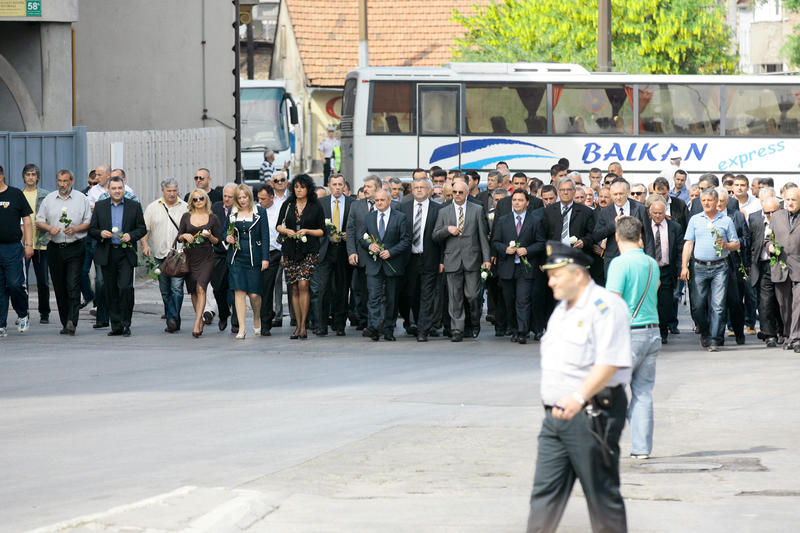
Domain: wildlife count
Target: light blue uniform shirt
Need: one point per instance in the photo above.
(627, 276)
(699, 232)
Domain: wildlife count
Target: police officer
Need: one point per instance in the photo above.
(586, 360)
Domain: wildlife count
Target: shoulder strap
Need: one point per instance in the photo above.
(641, 301)
(170, 218)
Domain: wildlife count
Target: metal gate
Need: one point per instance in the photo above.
(49, 150)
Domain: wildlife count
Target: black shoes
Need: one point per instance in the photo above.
(422, 338)
(389, 336)
(340, 333)
(713, 347)
(172, 326)
(208, 316)
(476, 331)
(321, 332)
(44, 319)
(675, 331)
(126, 331)
(538, 336)
(499, 333)
(522, 339)
(70, 327)
(115, 333)
(456, 336)
(223, 323)
(740, 339)
(772, 342)
(265, 332)
(100, 325)
(277, 323)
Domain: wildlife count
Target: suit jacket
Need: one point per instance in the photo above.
(431, 250)
(581, 223)
(132, 224)
(355, 221)
(674, 248)
(697, 207)
(468, 250)
(531, 237)
(735, 259)
(606, 228)
(396, 239)
(757, 224)
(218, 208)
(326, 209)
(679, 212)
(503, 207)
(789, 238)
(257, 248)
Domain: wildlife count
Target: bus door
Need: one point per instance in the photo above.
(439, 140)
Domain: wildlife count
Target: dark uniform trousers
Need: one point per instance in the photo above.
(65, 264)
(769, 314)
(268, 279)
(496, 306)
(517, 298)
(419, 293)
(382, 307)
(666, 299)
(220, 285)
(359, 293)
(735, 300)
(568, 449)
(331, 274)
(118, 288)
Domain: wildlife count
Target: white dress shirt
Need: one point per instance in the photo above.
(664, 240)
(424, 204)
(342, 221)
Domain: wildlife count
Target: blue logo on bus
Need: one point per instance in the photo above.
(474, 146)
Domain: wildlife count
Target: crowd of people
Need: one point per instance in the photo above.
(430, 251)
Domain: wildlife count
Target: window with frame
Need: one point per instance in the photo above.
(506, 109)
(392, 108)
(678, 109)
(592, 110)
(438, 110)
(762, 110)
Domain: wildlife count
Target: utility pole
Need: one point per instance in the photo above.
(237, 119)
(604, 36)
(363, 47)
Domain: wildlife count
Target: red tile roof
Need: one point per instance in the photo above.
(401, 33)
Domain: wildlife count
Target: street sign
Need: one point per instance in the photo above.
(20, 8)
(33, 8)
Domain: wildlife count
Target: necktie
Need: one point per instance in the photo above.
(382, 226)
(461, 218)
(371, 205)
(565, 224)
(658, 244)
(336, 214)
(519, 224)
(621, 212)
(418, 227)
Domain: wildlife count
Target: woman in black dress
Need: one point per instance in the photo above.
(198, 230)
(301, 222)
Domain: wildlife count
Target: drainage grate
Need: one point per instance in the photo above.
(739, 464)
(679, 467)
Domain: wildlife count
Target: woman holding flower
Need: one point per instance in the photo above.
(301, 223)
(198, 230)
(247, 241)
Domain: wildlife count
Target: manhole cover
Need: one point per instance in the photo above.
(679, 467)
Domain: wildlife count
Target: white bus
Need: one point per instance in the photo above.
(268, 113)
(472, 115)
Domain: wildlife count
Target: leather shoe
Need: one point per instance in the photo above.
(366, 332)
(222, 323)
(321, 332)
(84, 304)
(422, 338)
(44, 319)
(265, 332)
(663, 340)
(412, 330)
(499, 333)
(171, 326)
(522, 339)
(514, 337)
(277, 323)
(704, 343)
(772, 342)
(70, 327)
(447, 333)
(713, 347)
(340, 333)
(126, 332)
(434, 333)
(234, 328)
(208, 317)
(538, 336)
(389, 336)
(476, 331)
(361, 327)
(456, 336)
(675, 331)
(100, 325)
(740, 339)
(114, 333)
(63, 331)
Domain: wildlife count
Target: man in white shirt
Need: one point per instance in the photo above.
(266, 199)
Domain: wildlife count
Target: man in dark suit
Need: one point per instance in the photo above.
(357, 256)
(517, 264)
(761, 274)
(786, 272)
(422, 271)
(606, 222)
(486, 197)
(389, 228)
(117, 224)
(738, 264)
(667, 248)
(219, 278)
(710, 181)
(519, 181)
(462, 229)
(677, 211)
(332, 268)
(566, 219)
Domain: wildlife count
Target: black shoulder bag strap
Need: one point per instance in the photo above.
(649, 278)
(170, 218)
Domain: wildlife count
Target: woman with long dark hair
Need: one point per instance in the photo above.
(301, 223)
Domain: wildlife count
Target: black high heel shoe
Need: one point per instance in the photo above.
(196, 334)
(295, 335)
(304, 335)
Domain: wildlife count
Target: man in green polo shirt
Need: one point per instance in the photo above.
(635, 277)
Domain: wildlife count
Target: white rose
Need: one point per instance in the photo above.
(205, 233)
(303, 238)
(484, 275)
(233, 219)
(512, 244)
(491, 216)
(573, 239)
(769, 232)
(328, 221)
(157, 272)
(115, 230)
(366, 236)
(710, 226)
(63, 210)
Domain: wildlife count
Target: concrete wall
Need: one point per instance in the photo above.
(140, 66)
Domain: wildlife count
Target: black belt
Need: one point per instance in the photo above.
(708, 263)
(419, 254)
(602, 395)
(66, 244)
(646, 326)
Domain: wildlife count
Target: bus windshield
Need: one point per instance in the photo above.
(263, 122)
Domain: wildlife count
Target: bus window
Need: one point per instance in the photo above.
(392, 108)
(505, 109)
(591, 109)
(438, 110)
(349, 98)
(263, 123)
(678, 109)
(762, 111)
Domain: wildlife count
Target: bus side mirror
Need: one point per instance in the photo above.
(293, 115)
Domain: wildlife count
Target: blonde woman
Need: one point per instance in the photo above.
(199, 229)
(247, 241)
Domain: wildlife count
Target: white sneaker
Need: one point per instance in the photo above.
(640, 456)
(3, 332)
(24, 324)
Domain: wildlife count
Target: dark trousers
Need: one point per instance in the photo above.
(332, 279)
(788, 295)
(118, 288)
(268, 280)
(65, 270)
(497, 305)
(735, 301)
(768, 302)
(517, 298)
(666, 300)
(12, 281)
(39, 260)
(220, 286)
(86, 283)
(326, 171)
(360, 293)
(568, 449)
(420, 287)
(542, 304)
(382, 307)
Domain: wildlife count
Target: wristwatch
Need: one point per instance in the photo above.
(579, 398)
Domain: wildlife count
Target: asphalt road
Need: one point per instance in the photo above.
(347, 435)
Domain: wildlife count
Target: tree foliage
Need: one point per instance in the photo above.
(792, 46)
(648, 36)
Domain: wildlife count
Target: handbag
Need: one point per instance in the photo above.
(175, 264)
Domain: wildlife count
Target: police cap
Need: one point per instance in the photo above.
(560, 254)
